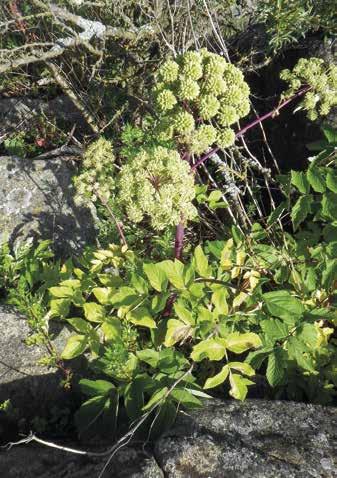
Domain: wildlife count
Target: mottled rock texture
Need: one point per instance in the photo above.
(226, 439)
(37, 200)
(32, 388)
(256, 438)
(37, 462)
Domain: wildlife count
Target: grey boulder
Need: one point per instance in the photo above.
(37, 201)
(33, 389)
(256, 438)
(225, 439)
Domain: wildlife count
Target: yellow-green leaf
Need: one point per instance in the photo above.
(213, 349)
(239, 343)
(94, 312)
(242, 367)
(177, 331)
(218, 378)
(239, 386)
(75, 346)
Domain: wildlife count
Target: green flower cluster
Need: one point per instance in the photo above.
(97, 179)
(199, 96)
(322, 81)
(159, 185)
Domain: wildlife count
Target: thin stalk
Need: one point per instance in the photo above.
(179, 240)
(251, 125)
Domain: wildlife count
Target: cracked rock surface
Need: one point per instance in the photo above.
(226, 439)
(256, 438)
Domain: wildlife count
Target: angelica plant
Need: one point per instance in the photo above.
(199, 97)
(97, 180)
(320, 80)
(157, 184)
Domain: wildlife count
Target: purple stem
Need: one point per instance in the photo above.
(257, 121)
(179, 240)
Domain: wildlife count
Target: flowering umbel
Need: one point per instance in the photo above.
(321, 81)
(97, 178)
(158, 185)
(199, 96)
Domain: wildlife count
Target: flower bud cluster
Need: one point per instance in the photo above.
(200, 87)
(320, 78)
(97, 179)
(158, 185)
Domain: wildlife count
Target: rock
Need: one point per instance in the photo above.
(32, 388)
(253, 439)
(38, 462)
(37, 200)
(256, 438)
(19, 114)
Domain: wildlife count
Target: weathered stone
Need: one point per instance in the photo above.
(33, 389)
(36, 200)
(19, 114)
(37, 462)
(256, 438)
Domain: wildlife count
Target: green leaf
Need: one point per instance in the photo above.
(300, 181)
(149, 356)
(329, 208)
(277, 213)
(164, 419)
(177, 331)
(94, 312)
(183, 314)
(59, 307)
(103, 294)
(61, 291)
(174, 271)
(139, 283)
(331, 181)
(329, 275)
(213, 349)
(141, 317)
(75, 346)
(94, 342)
(111, 328)
(298, 351)
(217, 379)
(80, 325)
(282, 304)
(300, 210)
(242, 367)
(330, 134)
(276, 367)
(156, 398)
(125, 296)
(186, 398)
(134, 399)
(316, 179)
(239, 384)
(274, 329)
(156, 276)
(201, 262)
(91, 388)
(219, 299)
(171, 361)
(189, 274)
(239, 343)
(89, 412)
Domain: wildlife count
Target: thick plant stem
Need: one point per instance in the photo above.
(179, 240)
(251, 125)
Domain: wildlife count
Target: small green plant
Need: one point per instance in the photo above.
(161, 335)
(289, 20)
